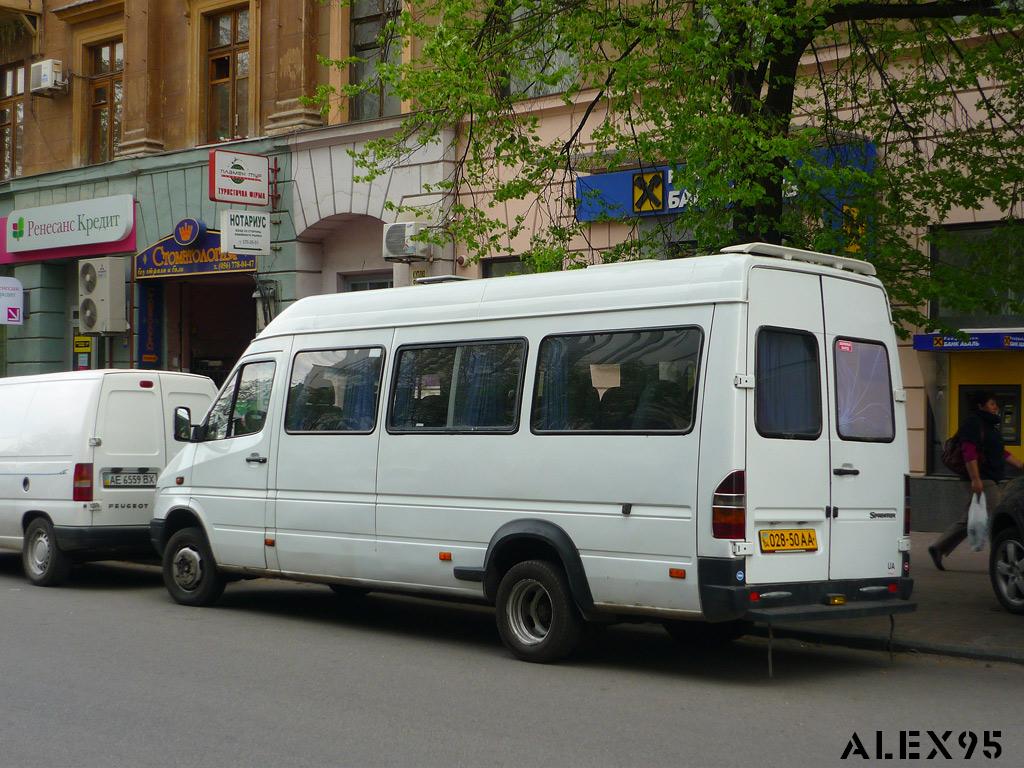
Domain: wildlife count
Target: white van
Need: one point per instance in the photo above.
(703, 442)
(79, 457)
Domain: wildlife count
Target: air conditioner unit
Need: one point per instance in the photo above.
(101, 301)
(399, 244)
(46, 78)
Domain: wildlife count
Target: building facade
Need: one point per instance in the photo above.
(144, 90)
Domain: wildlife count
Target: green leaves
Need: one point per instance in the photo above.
(751, 102)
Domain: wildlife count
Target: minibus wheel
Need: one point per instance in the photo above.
(537, 618)
(1006, 569)
(704, 634)
(44, 562)
(190, 573)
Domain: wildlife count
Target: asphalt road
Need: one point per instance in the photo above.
(107, 671)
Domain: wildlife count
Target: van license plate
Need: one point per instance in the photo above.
(789, 540)
(129, 480)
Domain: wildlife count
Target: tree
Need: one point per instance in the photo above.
(837, 125)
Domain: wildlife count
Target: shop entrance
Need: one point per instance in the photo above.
(210, 322)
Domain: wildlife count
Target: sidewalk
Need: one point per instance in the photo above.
(957, 613)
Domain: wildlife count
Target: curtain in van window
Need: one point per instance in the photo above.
(360, 401)
(551, 402)
(487, 385)
(787, 384)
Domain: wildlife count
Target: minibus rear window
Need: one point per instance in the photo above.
(334, 390)
(864, 409)
(638, 381)
(787, 385)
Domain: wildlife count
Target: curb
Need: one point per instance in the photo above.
(880, 643)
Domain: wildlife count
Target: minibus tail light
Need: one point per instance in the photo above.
(906, 505)
(82, 487)
(729, 507)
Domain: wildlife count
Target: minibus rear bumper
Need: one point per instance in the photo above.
(115, 539)
(726, 597)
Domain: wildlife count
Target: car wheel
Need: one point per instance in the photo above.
(699, 634)
(537, 618)
(44, 562)
(190, 573)
(1006, 569)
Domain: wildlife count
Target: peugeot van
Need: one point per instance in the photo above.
(703, 442)
(79, 457)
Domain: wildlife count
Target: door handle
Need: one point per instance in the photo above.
(255, 458)
(845, 471)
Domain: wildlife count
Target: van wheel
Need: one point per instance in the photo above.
(537, 618)
(1006, 569)
(698, 634)
(190, 573)
(45, 564)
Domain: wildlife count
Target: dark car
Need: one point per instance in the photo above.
(1006, 561)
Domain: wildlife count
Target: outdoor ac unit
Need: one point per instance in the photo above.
(101, 304)
(46, 78)
(399, 244)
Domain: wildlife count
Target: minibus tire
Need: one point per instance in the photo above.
(1007, 541)
(537, 618)
(699, 634)
(187, 551)
(44, 563)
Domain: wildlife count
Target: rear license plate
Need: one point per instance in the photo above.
(129, 480)
(789, 540)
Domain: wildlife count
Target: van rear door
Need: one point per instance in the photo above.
(867, 431)
(787, 465)
(130, 452)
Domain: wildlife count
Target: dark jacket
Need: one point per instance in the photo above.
(982, 429)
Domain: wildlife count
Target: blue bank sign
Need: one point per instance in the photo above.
(191, 249)
(625, 194)
(937, 342)
(652, 191)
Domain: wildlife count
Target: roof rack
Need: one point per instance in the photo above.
(796, 254)
(437, 279)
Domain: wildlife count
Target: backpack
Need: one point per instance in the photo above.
(953, 457)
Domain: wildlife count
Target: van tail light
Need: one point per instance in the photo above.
(729, 507)
(906, 505)
(82, 488)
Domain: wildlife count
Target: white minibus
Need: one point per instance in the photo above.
(704, 442)
(79, 457)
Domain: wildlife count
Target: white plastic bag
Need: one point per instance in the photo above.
(977, 522)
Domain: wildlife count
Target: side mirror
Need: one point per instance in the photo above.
(182, 424)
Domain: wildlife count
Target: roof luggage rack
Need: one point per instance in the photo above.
(797, 254)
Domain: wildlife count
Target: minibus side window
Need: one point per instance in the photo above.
(787, 385)
(472, 387)
(219, 418)
(638, 381)
(864, 409)
(334, 390)
(241, 408)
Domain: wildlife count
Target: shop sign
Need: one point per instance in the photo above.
(67, 225)
(83, 345)
(992, 340)
(625, 194)
(245, 232)
(12, 301)
(202, 256)
(236, 177)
